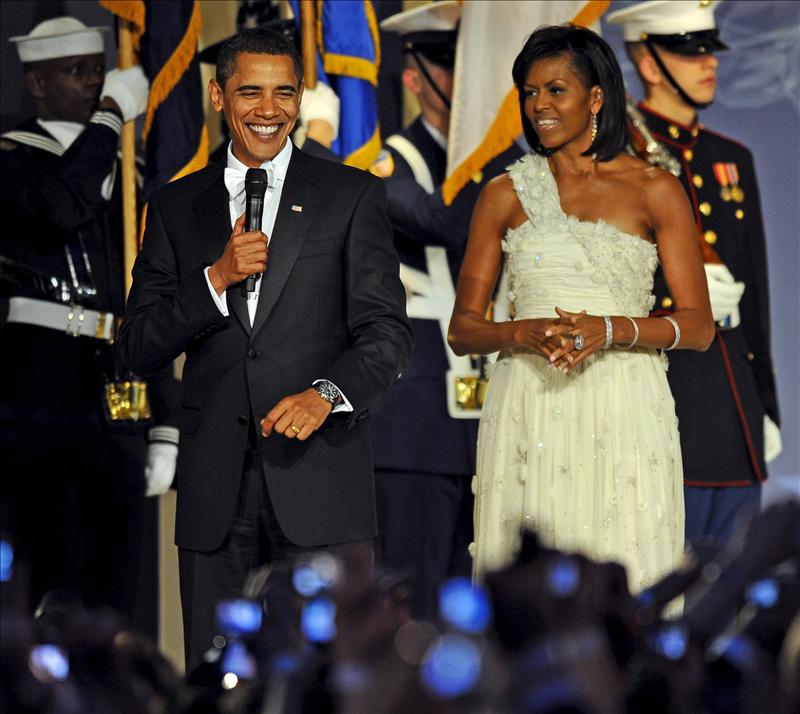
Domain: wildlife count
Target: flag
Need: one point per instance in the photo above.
(348, 43)
(484, 119)
(174, 132)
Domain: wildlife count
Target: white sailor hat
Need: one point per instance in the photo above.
(59, 37)
(684, 27)
(430, 30)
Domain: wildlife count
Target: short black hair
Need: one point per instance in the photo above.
(595, 64)
(256, 41)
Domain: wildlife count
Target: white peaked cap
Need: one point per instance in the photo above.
(435, 16)
(59, 37)
(664, 17)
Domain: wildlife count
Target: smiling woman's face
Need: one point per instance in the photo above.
(261, 101)
(557, 104)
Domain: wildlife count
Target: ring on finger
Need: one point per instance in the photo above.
(295, 429)
(579, 342)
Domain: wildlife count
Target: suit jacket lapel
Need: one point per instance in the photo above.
(288, 234)
(214, 221)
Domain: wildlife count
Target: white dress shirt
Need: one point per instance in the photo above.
(277, 167)
(276, 171)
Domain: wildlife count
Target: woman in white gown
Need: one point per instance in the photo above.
(578, 437)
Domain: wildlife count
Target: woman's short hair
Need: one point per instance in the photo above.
(256, 41)
(595, 64)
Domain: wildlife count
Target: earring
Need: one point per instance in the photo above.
(594, 127)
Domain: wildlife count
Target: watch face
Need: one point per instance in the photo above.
(328, 392)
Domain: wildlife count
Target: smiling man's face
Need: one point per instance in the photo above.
(261, 101)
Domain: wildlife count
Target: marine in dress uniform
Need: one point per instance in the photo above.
(725, 398)
(73, 479)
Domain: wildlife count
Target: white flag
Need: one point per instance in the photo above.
(484, 119)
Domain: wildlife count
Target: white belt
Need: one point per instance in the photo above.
(71, 319)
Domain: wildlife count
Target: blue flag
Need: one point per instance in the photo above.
(348, 46)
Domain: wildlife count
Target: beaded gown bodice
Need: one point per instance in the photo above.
(556, 259)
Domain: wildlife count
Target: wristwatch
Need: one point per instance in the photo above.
(329, 392)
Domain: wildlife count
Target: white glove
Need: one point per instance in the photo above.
(773, 445)
(320, 103)
(129, 88)
(724, 292)
(162, 455)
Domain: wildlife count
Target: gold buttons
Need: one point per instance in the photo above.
(688, 154)
(750, 356)
(673, 130)
(705, 208)
(666, 302)
(739, 213)
(697, 180)
(710, 237)
(695, 131)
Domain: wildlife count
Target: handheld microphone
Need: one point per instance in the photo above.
(255, 186)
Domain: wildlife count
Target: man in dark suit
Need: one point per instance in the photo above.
(278, 382)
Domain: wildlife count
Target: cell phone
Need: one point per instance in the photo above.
(239, 617)
(238, 660)
(464, 606)
(318, 620)
(6, 561)
(49, 663)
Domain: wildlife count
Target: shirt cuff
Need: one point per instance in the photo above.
(107, 118)
(221, 301)
(344, 405)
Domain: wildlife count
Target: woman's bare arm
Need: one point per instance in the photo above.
(470, 332)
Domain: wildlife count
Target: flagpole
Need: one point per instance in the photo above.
(128, 145)
(308, 38)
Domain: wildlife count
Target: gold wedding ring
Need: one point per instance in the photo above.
(295, 429)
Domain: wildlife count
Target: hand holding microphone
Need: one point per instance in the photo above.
(245, 255)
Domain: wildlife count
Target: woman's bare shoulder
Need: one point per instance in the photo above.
(500, 188)
(499, 197)
(653, 180)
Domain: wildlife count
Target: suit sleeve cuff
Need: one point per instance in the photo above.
(163, 435)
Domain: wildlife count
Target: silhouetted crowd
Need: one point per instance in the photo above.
(552, 633)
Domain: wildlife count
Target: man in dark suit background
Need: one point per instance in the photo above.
(276, 450)
(424, 437)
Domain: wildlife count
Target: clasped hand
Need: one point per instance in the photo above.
(297, 416)
(245, 254)
(555, 339)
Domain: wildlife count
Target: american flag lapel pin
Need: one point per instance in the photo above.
(297, 208)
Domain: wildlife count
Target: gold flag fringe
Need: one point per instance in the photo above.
(174, 68)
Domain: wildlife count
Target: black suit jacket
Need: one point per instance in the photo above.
(331, 306)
